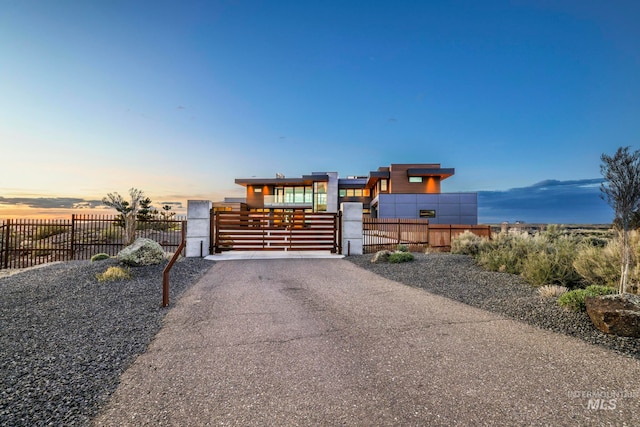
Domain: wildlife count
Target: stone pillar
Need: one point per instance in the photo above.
(198, 227)
(351, 228)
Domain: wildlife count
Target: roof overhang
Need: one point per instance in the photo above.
(442, 173)
(278, 182)
(375, 176)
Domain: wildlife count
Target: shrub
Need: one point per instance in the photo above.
(398, 257)
(599, 266)
(552, 262)
(507, 252)
(549, 291)
(402, 248)
(113, 274)
(468, 243)
(44, 231)
(574, 300)
(112, 233)
(100, 257)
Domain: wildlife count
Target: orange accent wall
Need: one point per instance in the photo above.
(399, 181)
(256, 200)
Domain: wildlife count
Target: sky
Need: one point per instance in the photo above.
(179, 98)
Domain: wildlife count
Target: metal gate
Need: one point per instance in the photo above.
(277, 231)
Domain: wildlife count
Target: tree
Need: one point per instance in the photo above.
(128, 210)
(146, 211)
(621, 190)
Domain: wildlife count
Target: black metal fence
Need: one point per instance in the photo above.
(29, 242)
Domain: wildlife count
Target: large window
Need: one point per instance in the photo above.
(320, 197)
(354, 192)
(293, 195)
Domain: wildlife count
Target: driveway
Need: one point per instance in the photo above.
(323, 342)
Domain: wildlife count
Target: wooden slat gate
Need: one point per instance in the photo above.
(278, 231)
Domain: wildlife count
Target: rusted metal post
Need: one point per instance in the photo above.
(6, 243)
(165, 274)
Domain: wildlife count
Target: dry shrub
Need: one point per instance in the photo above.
(601, 266)
(468, 243)
(551, 291)
(113, 274)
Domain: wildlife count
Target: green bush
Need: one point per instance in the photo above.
(398, 257)
(100, 257)
(574, 300)
(402, 248)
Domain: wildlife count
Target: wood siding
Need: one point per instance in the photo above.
(399, 181)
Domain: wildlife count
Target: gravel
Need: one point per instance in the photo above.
(458, 277)
(66, 338)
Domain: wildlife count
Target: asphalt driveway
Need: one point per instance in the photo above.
(323, 342)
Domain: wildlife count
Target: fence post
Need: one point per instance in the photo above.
(73, 234)
(6, 244)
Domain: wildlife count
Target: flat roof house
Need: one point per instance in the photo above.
(396, 191)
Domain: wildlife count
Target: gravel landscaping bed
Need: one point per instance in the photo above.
(458, 277)
(66, 338)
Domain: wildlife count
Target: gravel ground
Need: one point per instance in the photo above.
(457, 277)
(66, 338)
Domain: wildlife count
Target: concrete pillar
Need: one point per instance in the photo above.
(351, 228)
(198, 227)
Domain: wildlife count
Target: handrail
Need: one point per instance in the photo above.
(165, 274)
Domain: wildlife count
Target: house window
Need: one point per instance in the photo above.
(343, 192)
(383, 185)
(257, 190)
(415, 179)
(427, 213)
(319, 196)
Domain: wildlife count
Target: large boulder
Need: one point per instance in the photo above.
(615, 314)
(141, 252)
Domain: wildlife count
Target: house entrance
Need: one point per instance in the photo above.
(276, 231)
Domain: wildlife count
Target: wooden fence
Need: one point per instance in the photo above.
(29, 242)
(416, 234)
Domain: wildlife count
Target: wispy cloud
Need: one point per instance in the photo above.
(550, 201)
(66, 203)
(51, 202)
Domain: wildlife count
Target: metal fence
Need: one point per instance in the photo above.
(30, 242)
(417, 234)
(276, 231)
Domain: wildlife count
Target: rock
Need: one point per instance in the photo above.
(141, 252)
(615, 314)
(381, 256)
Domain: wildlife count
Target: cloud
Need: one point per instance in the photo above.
(51, 202)
(550, 201)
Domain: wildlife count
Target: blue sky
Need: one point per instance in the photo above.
(180, 98)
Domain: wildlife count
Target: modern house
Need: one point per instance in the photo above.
(396, 191)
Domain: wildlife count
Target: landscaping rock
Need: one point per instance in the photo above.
(615, 314)
(381, 256)
(141, 252)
